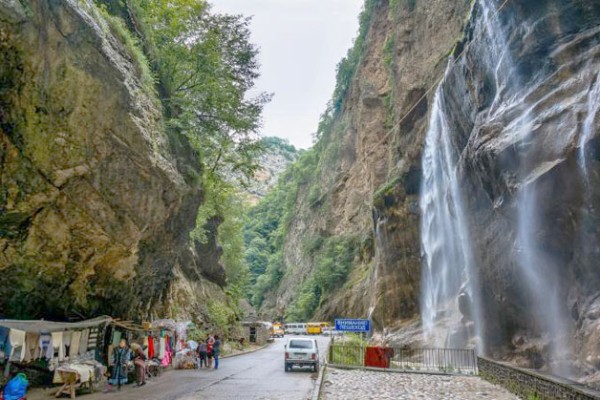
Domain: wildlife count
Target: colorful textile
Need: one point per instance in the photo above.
(4, 341)
(92, 339)
(120, 357)
(150, 347)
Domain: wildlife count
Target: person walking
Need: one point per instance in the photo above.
(217, 350)
(139, 360)
(210, 341)
(202, 352)
(121, 356)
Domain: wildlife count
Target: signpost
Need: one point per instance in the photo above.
(353, 325)
(361, 326)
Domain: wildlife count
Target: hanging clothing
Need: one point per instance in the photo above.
(150, 347)
(4, 341)
(121, 356)
(117, 335)
(83, 341)
(74, 349)
(31, 346)
(17, 344)
(45, 346)
(92, 339)
(58, 349)
(161, 348)
(67, 342)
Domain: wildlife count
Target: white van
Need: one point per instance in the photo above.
(295, 328)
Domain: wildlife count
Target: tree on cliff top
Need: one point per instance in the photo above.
(206, 66)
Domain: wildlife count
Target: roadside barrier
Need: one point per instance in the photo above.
(405, 359)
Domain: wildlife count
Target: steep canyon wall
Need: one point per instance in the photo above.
(369, 167)
(96, 200)
(517, 115)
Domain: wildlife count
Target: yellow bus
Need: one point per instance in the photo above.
(315, 328)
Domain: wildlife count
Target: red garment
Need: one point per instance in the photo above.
(150, 347)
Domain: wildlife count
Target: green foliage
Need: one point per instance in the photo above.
(117, 27)
(349, 64)
(221, 316)
(267, 225)
(279, 145)
(333, 259)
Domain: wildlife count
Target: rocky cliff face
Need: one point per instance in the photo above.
(94, 210)
(277, 155)
(509, 178)
(521, 112)
(369, 167)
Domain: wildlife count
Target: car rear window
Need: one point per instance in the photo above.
(301, 344)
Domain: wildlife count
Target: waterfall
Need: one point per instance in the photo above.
(592, 109)
(451, 307)
(449, 301)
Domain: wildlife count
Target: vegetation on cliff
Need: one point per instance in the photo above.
(204, 66)
(267, 226)
(178, 76)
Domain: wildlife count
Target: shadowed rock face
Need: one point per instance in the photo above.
(94, 211)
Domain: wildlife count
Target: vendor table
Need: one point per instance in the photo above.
(71, 384)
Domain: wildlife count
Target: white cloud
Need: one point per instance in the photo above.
(301, 42)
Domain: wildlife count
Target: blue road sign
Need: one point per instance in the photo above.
(353, 325)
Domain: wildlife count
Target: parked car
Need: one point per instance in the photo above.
(301, 353)
(331, 332)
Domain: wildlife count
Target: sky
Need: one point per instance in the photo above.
(301, 42)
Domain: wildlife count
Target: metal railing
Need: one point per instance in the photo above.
(425, 360)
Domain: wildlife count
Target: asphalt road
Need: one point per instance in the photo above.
(258, 375)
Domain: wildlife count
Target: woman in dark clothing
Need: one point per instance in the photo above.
(121, 356)
(217, 351)
(139, 360)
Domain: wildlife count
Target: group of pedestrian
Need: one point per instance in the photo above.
(208, 350)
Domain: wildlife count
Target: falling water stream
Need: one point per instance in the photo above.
(448, 270)
(450, 304)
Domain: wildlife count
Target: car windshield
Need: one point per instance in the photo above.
(301, 344)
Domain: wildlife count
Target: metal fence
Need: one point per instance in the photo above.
(425, 360)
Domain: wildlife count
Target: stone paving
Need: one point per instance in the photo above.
(359, 385)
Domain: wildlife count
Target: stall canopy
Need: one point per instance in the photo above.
(41, 326)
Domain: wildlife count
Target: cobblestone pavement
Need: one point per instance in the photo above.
(359, 385)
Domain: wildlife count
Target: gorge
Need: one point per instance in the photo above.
(491, 174)
(451, 196)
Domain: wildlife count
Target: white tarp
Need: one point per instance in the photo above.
(41, 326)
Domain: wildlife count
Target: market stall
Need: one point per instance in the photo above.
(70, 350)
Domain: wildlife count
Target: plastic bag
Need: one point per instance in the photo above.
(16, 388)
